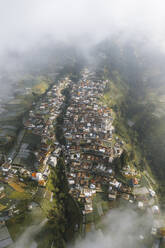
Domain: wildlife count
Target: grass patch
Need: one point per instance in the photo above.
(2, 207)
(19, 195)
(16, 186)
(40, 88)
(18, 224)
(101, 200)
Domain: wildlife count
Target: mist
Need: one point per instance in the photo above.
(34, 33)
(27, 239)
(120, 228)
(27, 26)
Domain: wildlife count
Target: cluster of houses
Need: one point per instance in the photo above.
(15, 170)
(90, 147)
(29, 161)
(41, 122)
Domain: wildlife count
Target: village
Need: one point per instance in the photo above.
(91, 146)
(88, 129)
(35, 152)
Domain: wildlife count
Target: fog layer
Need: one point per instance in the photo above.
(27, 25)
(24, 24)
(121, 228)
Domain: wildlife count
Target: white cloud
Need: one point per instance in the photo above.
(122, 228)
(24, 23)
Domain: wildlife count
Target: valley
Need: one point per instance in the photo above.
(71, 164)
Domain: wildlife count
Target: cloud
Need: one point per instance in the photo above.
(121, 228)
(26, 23)
(26, 240)
(27, 26)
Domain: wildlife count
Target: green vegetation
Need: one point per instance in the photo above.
(59, 121)
(63, 213)
(61, 210)
(2, 207)
(101, 201)
(16, 109)
(141, 139)
(19, 223)
(40, 88)
(19, 195)
(114, 97)
(137, 89)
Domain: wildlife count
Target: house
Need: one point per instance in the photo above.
(88, 208)
(52, 161)
(1, 189)
(33, 205)
(37, 176)
(92, 186)
(115, 183)
(88, 200)
(6, 167)
(112, 197)
(71, 181)
(125, 196)
(140, 205)
(152, 192)
(155, 209)
(46, 172)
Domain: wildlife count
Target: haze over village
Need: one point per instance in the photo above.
(82, 124)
